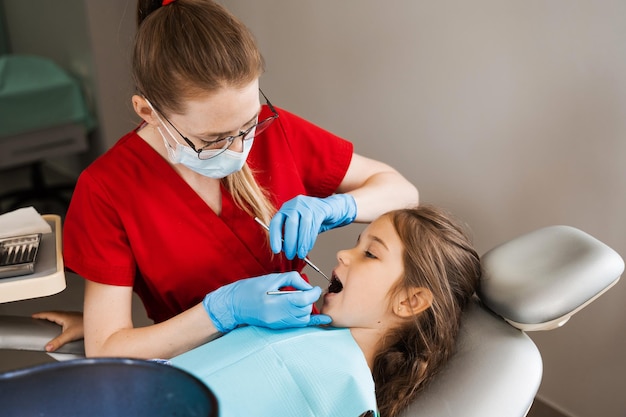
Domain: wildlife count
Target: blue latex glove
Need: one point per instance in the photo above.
(295, 227)
(246, 302)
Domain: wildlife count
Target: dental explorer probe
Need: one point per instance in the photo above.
(306, 259)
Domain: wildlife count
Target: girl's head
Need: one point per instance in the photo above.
(410, 275)
(190, 48)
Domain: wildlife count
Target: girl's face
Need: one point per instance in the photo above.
(367, 272)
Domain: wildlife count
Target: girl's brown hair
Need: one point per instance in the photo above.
(192, 48)
(438, 255)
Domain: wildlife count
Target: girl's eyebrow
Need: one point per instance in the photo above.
(375, 239)
(379, 240)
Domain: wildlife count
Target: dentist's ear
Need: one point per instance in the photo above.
(413, 302)
(144, 110)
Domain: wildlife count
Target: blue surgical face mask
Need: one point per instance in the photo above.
(220, 166)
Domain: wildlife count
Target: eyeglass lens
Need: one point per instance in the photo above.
(214, 149)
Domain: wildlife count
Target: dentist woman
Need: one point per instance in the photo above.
(169, 210)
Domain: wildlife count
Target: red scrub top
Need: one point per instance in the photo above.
(133, 221)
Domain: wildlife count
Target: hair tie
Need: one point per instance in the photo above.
(166, 2)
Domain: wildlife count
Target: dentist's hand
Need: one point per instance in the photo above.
(302, 218)
(246, 302)
(71, 323)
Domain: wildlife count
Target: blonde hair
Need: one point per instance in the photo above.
(191, 48)
(249, 195)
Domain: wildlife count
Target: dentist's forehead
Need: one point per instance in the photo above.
(221, 112)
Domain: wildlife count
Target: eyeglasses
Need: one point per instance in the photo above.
(217, 147)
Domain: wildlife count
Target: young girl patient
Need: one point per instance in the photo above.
(395, 303)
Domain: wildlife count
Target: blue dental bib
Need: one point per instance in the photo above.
(303, 372)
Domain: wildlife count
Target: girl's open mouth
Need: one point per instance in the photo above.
(335, 285)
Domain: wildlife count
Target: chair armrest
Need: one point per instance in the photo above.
(26, 333)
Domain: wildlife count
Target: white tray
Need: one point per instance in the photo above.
(49, 276)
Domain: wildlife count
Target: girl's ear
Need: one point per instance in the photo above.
(413, 302)
(143, 110)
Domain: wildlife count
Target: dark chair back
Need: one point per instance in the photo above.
(105, 387)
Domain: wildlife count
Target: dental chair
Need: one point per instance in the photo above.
(536, 281)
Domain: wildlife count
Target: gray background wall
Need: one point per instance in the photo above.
(511, 114)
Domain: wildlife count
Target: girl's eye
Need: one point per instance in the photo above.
(369, 254)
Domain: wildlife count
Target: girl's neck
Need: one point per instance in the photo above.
(369, 342)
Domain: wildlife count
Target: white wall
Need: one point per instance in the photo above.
(511, 114)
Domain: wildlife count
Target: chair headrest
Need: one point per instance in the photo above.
(537, 281)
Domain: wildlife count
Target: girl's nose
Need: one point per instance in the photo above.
(343, 257)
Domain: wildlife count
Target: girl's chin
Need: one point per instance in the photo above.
(327, 296)
(326, 303)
